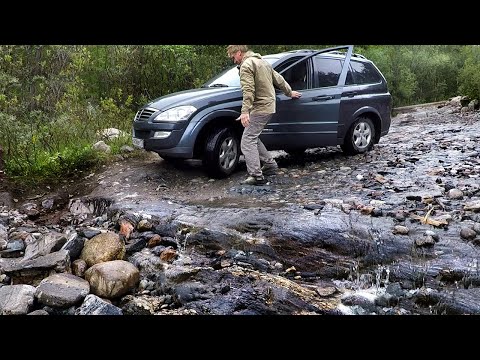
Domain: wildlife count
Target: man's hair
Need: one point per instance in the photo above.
(232, 49)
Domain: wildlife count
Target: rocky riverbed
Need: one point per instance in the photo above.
(394, 231)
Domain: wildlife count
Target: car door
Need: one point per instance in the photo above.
(312, 120)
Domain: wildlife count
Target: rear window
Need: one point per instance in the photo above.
(363, 73)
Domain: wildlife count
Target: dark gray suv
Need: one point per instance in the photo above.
(345, 101)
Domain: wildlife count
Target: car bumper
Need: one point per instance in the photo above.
(162, 138)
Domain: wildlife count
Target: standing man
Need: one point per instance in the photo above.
(257, 79)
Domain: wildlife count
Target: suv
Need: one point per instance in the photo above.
(345, 101)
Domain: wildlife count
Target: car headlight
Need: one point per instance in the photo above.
(176, 114)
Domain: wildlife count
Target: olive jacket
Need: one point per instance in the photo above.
(258, 78)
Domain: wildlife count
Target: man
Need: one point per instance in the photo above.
(257, 79)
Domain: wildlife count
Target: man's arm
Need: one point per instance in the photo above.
(247, 80)
(280, 82)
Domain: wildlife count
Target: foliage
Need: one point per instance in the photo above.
(470, 73)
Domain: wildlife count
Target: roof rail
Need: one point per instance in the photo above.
(343, 53)
(336, 52)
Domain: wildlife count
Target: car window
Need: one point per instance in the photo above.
(363, 73)
(296, 76)
(327, 71)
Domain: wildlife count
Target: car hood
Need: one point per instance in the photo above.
(196, 97)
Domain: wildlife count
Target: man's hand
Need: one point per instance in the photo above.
(295, 94)
(244, 119)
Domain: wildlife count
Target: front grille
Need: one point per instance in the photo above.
(144, 114)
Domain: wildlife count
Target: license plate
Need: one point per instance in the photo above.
(137, 143)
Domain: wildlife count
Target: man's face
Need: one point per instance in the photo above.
(236, 57)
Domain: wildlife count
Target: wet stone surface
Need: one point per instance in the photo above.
(393, 231)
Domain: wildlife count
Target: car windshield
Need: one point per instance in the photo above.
(230, 78)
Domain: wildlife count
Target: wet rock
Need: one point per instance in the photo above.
(3, 236)
(88, 233)
(433, 235)
(13, 249)
(476, 227)
(39, 312)
(362, 300)
(34, 270)
(179, 274)
(62, 290)
(112, 279)
(135, 245)
(386, 300)
(141, 305)
(155, 240)
(93, 305)
(326, 291)
(399, 229)
(79, 267)
(48, 243)
(168, 255)
(103, 247)
(467, 233)
(126, 228)
(472, 206)
(16, 299)
(192, 291)
(74, 245)
(455, 194)
(424, 241)
(144, 225)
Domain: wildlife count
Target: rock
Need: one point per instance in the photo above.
(62, 290)
(141, 305)
(100, 146)
(34, 270)
(74, 245)
(424, 241)
(144, 225)
(112, 279)
(79, 267)
(467, 233)
(39, 312)
(455, 194)
(103, 247)
(48, 243)
(399, 229)
(93, 305)
(16, 299)
(168, 255)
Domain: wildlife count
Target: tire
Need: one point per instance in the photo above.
(360, 137)
(222, 151)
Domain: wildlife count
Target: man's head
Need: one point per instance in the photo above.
(236, 52)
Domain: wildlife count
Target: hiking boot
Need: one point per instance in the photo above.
(255, 180)
(269, 169)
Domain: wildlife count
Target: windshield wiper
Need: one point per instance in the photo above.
(218, 85)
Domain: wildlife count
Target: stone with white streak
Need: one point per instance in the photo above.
(16, 299)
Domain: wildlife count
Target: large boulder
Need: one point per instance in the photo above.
(103, 247)
(112, 279)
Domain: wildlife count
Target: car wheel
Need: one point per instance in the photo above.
(222, 151)
(359, 137)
